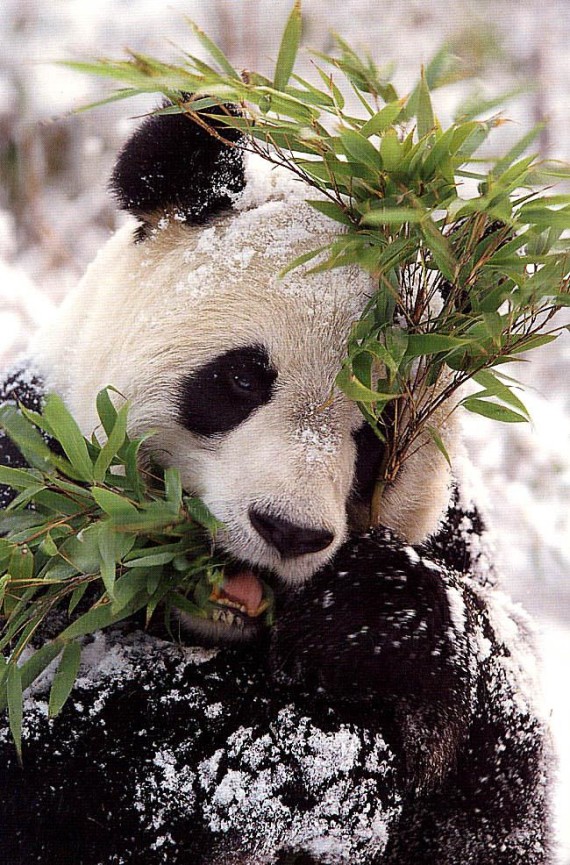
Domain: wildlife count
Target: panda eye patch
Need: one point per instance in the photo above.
(224, 392)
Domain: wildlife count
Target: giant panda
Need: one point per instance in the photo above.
(389, 716)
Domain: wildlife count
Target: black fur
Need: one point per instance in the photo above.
(384, 718)
(459, 544)
(222, 394)
(173, 166)
(369, 453)
(379, 723)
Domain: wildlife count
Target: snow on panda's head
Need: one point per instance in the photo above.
(233, 366)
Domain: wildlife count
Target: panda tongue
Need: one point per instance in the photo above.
(245, 589)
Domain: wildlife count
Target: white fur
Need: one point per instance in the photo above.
(147, 314)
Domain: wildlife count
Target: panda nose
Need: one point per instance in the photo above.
(289, 539)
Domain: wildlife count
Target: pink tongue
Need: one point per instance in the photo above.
(245, 589)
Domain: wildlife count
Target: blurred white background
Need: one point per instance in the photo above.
(55, 213)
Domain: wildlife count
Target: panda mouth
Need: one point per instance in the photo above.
(240, 601)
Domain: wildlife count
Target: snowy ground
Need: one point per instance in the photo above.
(54, 214)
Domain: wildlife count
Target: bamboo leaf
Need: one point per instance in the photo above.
(15, 708)
(114, 504)
(40, 660)
(358, 147)
(198, 511)
(348, 383)
(424, 111)
(288, 48)
(212, 49)
(64, 678)
(69, 436)
(301, 259)
(330, 209)
(420, 344)
(438, 442)
(393, 216)
(492, 410)
(29, 441)
(112, 445)
(383, 119)
(18, 479)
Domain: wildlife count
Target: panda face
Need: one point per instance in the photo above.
(248, 410)
(231, 364)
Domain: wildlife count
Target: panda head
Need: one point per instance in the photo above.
(233, 366)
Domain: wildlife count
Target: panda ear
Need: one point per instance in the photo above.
(172, 166)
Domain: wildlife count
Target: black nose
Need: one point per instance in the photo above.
(290, 540)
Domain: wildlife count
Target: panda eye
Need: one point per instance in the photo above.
(224, 392)
(242, 382)
(246, 383)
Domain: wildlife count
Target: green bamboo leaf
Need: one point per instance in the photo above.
(358, 147)
(130, 589)
(64, 678)
(48, 546)
(440, 249)
(391, 150)
(212, 49)
(113, 444)
(338, 98)
(19, 479)
(130, 457)
(21, 565)
(492, 410)
(424, 111)
(301, 259)
(383, 119)
(173, 489)
(98, 618)
(113, 504)
(151, 560)
(106, 410)
(438, 442)
(29, 441)
(533, 342)
(494, 325)
(182, 603)
(546, 217)
(82, 550)
(25, 497)
(420, 344)
(117, 95)
(76, 597)
(198, 512)
(155, 517)
(393, 216)
(348, 383)
(517, 150)
(330, 209)
(39, 661)
(15, 707)
(495, 387)
(69, 436)
(288, 48)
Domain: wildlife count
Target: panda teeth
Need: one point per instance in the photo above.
(226, 617)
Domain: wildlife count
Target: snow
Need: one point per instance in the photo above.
(55, 214)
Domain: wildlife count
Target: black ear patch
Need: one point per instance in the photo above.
(172, 166)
